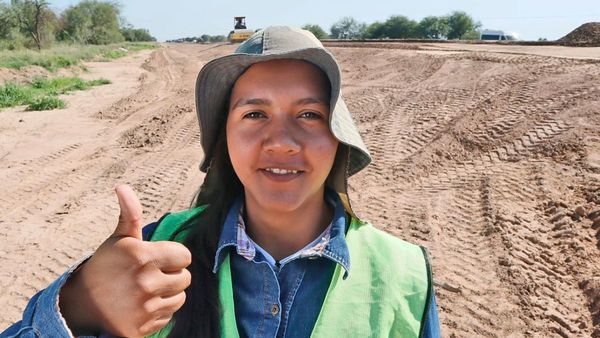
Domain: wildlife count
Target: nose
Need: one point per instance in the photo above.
(280, 138)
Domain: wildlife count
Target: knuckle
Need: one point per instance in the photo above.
(138, 255)
(148, 307)
(141, 260)
(145, 285)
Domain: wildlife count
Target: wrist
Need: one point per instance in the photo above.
(75, 307)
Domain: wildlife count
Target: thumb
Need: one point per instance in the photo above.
(130, 218)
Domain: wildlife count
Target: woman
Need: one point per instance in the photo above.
(274, 245)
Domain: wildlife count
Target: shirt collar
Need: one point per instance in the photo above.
(335, 247)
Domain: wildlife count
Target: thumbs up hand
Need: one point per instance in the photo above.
(128, 287)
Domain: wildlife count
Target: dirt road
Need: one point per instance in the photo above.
(488, 158)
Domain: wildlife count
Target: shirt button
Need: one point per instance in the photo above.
(274, 309)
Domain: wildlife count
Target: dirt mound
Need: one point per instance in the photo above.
(586, 34)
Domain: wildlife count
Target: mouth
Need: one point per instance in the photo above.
(281, 174)
(280, 171)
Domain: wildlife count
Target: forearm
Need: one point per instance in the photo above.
(42, 316)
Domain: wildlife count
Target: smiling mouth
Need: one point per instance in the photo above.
(281, 175)
(279, 171)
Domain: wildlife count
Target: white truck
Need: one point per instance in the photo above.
(497, 35)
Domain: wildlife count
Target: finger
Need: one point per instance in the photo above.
(130, 217)
(162, 284)
(164, 306)
(170, 256)
(173, 283)
(155, 324)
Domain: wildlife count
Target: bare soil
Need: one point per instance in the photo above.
(489, 158)
(588, 33)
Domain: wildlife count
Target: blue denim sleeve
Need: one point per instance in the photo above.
(42, 317)
(432, 322)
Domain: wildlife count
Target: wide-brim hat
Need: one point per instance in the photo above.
(217, 77)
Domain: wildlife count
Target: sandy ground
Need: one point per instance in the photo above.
(488, 157)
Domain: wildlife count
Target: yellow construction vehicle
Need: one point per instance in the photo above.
(239, 33)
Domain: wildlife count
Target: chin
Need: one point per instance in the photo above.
(280, 201)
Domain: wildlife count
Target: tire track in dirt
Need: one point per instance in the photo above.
(454, 208)
(23, 178)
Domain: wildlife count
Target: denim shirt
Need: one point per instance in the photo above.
(271, 300)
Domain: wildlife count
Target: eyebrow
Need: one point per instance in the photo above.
(266, 102)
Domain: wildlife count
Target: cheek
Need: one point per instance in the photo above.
(242, 149)
(325, 149)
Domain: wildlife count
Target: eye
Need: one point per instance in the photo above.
(311, 115)
(254, 115)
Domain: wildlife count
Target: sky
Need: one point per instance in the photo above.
(530, 19)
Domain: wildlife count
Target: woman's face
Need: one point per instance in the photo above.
(278, 133)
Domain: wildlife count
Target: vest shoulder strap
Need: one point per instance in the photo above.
(172, 227)
(175, 226)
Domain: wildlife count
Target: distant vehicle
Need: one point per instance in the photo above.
(494, 35)
(240, 32)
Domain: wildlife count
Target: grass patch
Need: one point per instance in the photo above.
(46, 103)
(137, 46)
(115, 54)
(61, 85)
(14, 95)
(42, 93)
(99, 82)
(66, 55)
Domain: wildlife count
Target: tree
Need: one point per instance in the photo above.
(471, 35)
(95, 22)
(348, 28)
(376, 30)
(434, 27)
(34, 19)
(317, 31)
(461, 23)
(400, 27)
(136, 34)
(218, 38)
(395, 27)
(7, 21)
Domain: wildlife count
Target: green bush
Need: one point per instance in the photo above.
(46, 103)
(471, 35)
(137, 46)
(136, 34)
(61, 85)
(317, 31)
(99, 82)
(42, 93)
(12, 94)
(67, 55)
(114, 54)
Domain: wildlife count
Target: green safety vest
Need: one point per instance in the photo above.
(386, 294)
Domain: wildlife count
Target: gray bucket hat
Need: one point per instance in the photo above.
(215, 80)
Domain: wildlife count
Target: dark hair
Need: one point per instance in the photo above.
(201, 313)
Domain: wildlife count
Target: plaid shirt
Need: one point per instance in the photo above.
(246, 247)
